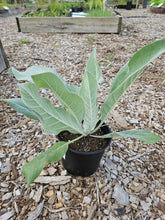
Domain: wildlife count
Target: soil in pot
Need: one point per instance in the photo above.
(85, 144)
(83, 156)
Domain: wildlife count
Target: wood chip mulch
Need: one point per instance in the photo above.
(130, 183)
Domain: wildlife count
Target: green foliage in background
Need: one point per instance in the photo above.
(95, 4)
(99, 13)
(158, 2)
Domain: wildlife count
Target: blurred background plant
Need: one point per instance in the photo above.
(158, 2)
(95, 4)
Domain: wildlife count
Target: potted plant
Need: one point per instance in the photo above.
(77, 118)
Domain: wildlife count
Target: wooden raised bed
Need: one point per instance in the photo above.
(70, 24)
(4, 64)
(157, 10)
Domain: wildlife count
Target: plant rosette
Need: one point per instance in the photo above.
(78, 111)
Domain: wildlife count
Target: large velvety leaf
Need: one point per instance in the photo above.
(71, 101)
(92, 66)
(54, 119)
(33, 169)
(143, 135)
(34, 70)
(130, 72)
(18, 105)
(88, 92)
(26, 75)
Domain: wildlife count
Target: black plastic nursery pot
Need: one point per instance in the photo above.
(84, 164)
(129, 5)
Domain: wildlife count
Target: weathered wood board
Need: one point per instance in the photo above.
(4, 64)
(70, 24)
(157, 10)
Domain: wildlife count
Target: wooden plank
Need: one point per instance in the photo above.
(70, 24)
(4, 64)
(157, 10)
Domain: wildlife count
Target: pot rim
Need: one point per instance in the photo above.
(93, 152)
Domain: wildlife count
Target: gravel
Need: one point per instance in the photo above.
(137, 169)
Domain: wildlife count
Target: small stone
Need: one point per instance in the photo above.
(39, 193)
(2, 155)
(125, 181)
(102, 162)
(49, 193)
(31, 194)
(5, 190)
(75, 192)
(149, 201)
(33, 208)
(64, 215)
(78, 189)
(53, 216)
(110, 165)
(6, 167)
(7, 196)
(134, 121)
(62, 188)
(3, 184)
(113, 176)
(143, 193)
(101, 185)
(111, 217)
(51, 171)
(125, 217)
(65, 195)
(162, 196)
(59, 195)
(132, 199)
(102, 80)
(161, 206)
(51, 200)
(74, 181)
(116, 159)
(144, 205)
(120, 195)
(121, 145)
(84, 213)
(59, 205)
(133, 206)
(120, 211)
(63, 173)
(17, 192)
(43, 173)
(87, 200)
(136, 187)
(106, 211)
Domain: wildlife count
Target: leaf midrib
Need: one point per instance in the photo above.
(49, 113)
(70, 110)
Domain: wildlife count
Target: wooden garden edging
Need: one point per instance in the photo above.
(157, 10)
(4, 64)
(70, 24)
